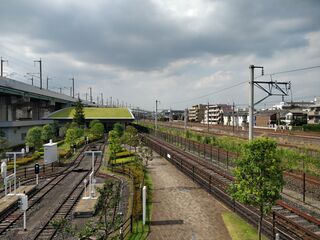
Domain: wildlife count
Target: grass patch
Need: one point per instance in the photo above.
(125, 160)
(139, 231)
(94, 112)
(124, 154)
(238, 228)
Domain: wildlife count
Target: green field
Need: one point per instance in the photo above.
(93, 113)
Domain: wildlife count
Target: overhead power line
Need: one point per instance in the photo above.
(295, 70)
(211, 93)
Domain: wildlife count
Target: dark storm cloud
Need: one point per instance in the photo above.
(138, 35)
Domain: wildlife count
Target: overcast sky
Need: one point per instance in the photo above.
(175, 51)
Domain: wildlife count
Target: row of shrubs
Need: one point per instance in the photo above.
(311, 127)
(25, 160)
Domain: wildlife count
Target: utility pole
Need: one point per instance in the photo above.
(86, 96)
(60, 90)
(40, 72)
(31, 79)
(233, 117)
(72, 79)
(185, 118)
(90, 94)
(48, 82)
(251, 100)
(156, 116)
(101, 98)
(3, 61)
(208, 116)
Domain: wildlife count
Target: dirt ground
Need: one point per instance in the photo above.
(181, 209)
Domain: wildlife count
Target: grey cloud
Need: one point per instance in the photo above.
(137, 35)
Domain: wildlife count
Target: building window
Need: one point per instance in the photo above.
(23, 136)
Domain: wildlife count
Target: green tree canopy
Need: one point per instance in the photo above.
(34, 137)
(93, 122)
(258, 176)
(79, 116)
(71, 136)
(47, 133)
(114, 144)
(97, 130)
(131, 136)
(119, 129)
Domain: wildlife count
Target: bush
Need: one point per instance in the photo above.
(33, 138)
(63, 153)
(124, 154)
(311, 127)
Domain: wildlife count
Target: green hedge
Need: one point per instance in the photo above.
(311, 127)
(124, 154)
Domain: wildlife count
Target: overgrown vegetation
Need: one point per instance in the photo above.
(292, 159)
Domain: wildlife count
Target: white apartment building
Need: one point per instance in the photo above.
(196, 113)
(214, 115)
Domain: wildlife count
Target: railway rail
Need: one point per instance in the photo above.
(26, 175)
(225, 130)
(289, 222)
(11, 219)
(47, 231)
(302, 183)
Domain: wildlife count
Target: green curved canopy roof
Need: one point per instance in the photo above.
(93, 113)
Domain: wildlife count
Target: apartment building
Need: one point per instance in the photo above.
(196, 113)
(214, 114)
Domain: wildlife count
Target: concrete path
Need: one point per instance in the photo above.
(181, 209)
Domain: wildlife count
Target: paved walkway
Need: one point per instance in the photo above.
(181, 209)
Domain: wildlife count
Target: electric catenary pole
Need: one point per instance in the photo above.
(156, 116)
(72, 79)
(282, 88)
(40, 71)
(2, 61)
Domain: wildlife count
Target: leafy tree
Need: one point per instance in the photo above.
(114, 144)
(63, 130)
(71, 137)
(145, 153)
(47, 133)
(33, 138)
(258, 176)
(93, 122)
(79, 116)
(131, 137)
(106, 206)
(63, 227)
(88, 231)
(119, 129)
(97, 130)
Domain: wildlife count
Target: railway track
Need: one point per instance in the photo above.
(27, 175)
(224, 130)
(302, 185)
(47, 231)
(12, 218)
(289, 221)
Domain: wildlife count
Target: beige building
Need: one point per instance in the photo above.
(196, 113)
(214, 115)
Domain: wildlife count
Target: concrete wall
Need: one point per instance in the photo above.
(16, 131)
